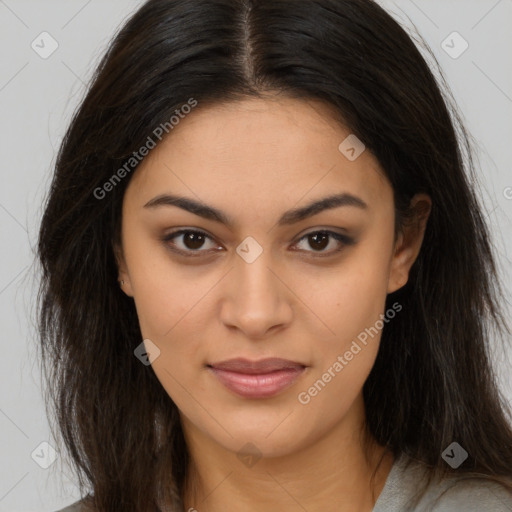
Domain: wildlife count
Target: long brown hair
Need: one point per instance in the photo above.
(432, 382)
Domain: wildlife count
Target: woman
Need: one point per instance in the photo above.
(267, 281)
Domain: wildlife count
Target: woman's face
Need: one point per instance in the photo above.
(262, 279)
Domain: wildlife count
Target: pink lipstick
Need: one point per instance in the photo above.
(257, 379)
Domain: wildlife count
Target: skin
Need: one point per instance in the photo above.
(254, 160)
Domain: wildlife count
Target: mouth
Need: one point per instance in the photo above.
(257, 379)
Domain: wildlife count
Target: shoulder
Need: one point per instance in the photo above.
(78, 506)
(470, 495)
(448, 495)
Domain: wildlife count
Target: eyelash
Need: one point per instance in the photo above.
(344, 240)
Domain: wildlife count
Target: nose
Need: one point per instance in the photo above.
(256, 300)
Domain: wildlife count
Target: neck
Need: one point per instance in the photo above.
(336, 469)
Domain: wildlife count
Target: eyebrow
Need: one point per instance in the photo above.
(289, 217)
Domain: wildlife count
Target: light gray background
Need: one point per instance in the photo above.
(38, 96)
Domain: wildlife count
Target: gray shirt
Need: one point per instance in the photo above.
(468, 496)
(401, 484)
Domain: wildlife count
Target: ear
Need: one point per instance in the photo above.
(124, 277)
(408, 244)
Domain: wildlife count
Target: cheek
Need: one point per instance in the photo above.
(164, 292)
(354, 294)
(353, 305)
(345, 360)
(173, 308)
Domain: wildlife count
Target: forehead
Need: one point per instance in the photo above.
(260, 150)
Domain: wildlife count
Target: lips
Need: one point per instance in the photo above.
(257, 379)
(269, 365)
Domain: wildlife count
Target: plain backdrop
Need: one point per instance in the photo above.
(37, 98)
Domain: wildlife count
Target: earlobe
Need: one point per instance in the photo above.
(399, 273)
(126, 287)
(123, 277)
(409, 242)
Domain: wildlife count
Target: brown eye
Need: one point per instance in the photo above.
(318, 241)
(192, 242)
